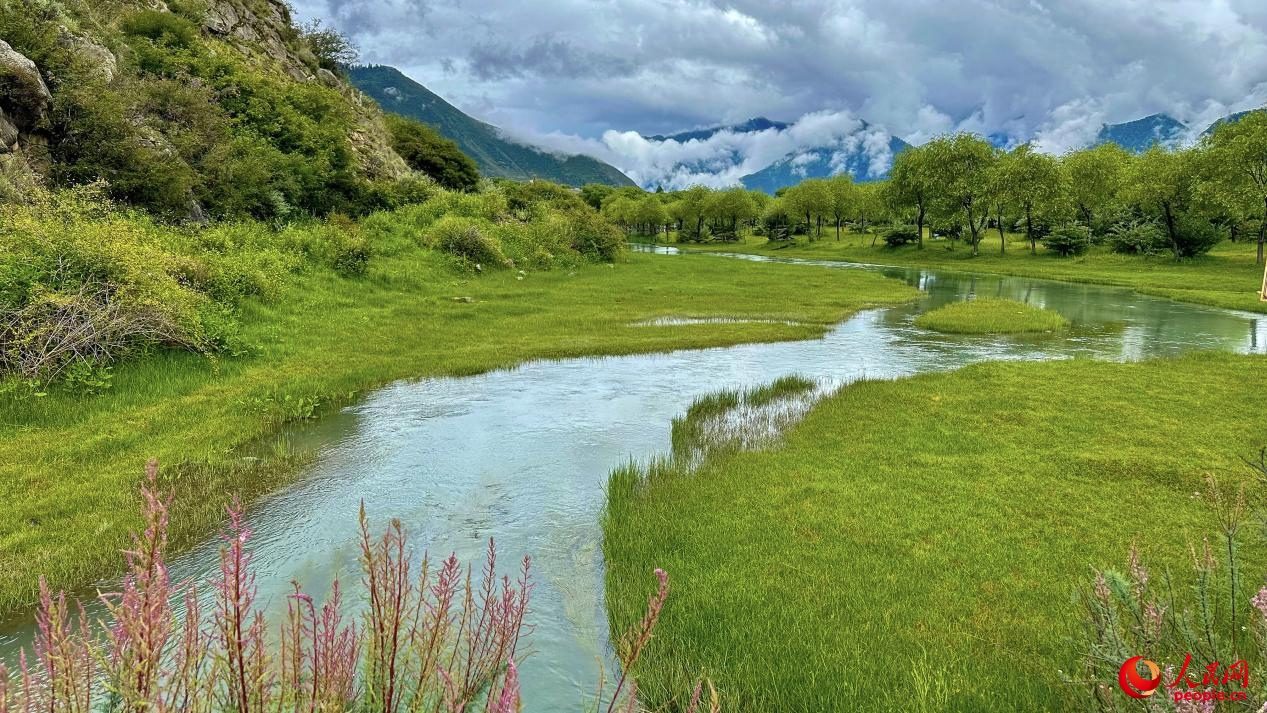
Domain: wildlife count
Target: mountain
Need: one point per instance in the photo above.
(1230, 119)
(865, 160)
(496, 156)
(1142, 134)
(750, 126)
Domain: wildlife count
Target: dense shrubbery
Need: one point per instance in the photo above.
(1137, 237)
(900, 236)
(188, 127)
(1069, 240)
(84, 283)
(432, 154)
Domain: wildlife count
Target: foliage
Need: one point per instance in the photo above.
(1069, 240)
(333, 49)
(464, 238)
(427, 151)
(1137, 237)
(902, 235)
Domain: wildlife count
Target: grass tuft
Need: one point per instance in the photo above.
(991, 316)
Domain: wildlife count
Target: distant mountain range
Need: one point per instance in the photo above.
(495, 155)
(863, 161)
(866, 153)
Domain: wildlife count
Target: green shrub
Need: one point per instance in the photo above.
(1194, 235)
(468, 240)
(1068, 240)
(591, 235)
(164, 27)
(900, 236)
(1138, 237)
(425, 150)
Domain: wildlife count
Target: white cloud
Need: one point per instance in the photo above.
(1018, 68)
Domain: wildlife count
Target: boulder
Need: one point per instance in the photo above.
(101, 60)
(24, 97)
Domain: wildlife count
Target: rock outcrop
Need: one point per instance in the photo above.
(264, 29)
(24, 99)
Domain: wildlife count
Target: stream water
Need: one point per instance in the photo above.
(522, 455)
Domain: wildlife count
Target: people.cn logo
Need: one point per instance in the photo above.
(1135, 685)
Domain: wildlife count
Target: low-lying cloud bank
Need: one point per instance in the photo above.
(727, 156)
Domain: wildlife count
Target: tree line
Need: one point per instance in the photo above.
(959, 187)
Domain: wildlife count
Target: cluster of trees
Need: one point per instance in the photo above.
(1180, 202)
(700, 214)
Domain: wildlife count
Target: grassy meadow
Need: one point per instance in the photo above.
(991, 316)
(1225, 277)
(917, 544)
(70, 464)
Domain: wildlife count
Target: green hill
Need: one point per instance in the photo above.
(496, 156)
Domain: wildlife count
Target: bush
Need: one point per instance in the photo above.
(900, 236)
(428, 152)
(465, 238)
(1194, 235)
(1138, 238)
(1068, 241)
(593, 236)
(162, 27)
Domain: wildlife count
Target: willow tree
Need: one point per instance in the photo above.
(1034, 183)
(912, 186)
(841, 199)
(962, 168)
(1238, 151)
(1094, 179)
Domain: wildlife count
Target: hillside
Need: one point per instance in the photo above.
(495, 155)
(193, 109)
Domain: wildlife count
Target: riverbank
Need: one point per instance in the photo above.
(917, 543)
(1227, 277)
(70, 464)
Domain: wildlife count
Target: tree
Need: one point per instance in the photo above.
(868, 205)
(1163, 183)
(726, 208)
(594, 193)
(691, 210)
(428, 152)
(1238, 153)
(911, 186)
(333, 49)
(960, 166)
(621, 210)
(1034, 183)
(651, 214)
(808, 198)
(841, 198)
(1093, 178)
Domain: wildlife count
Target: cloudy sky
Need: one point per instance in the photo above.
(589, 76)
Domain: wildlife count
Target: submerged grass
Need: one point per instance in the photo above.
(735, 419)
(917, 544)
(69, 464)
(1227, 277)
(991, 316)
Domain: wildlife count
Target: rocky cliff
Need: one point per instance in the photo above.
(95, 43)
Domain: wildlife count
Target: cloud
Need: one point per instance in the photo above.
(1010, 68)
(726, 156)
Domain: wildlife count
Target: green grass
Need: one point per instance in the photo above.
(1227, 277)
(69, 466)
(991, 316)
(916, 544)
